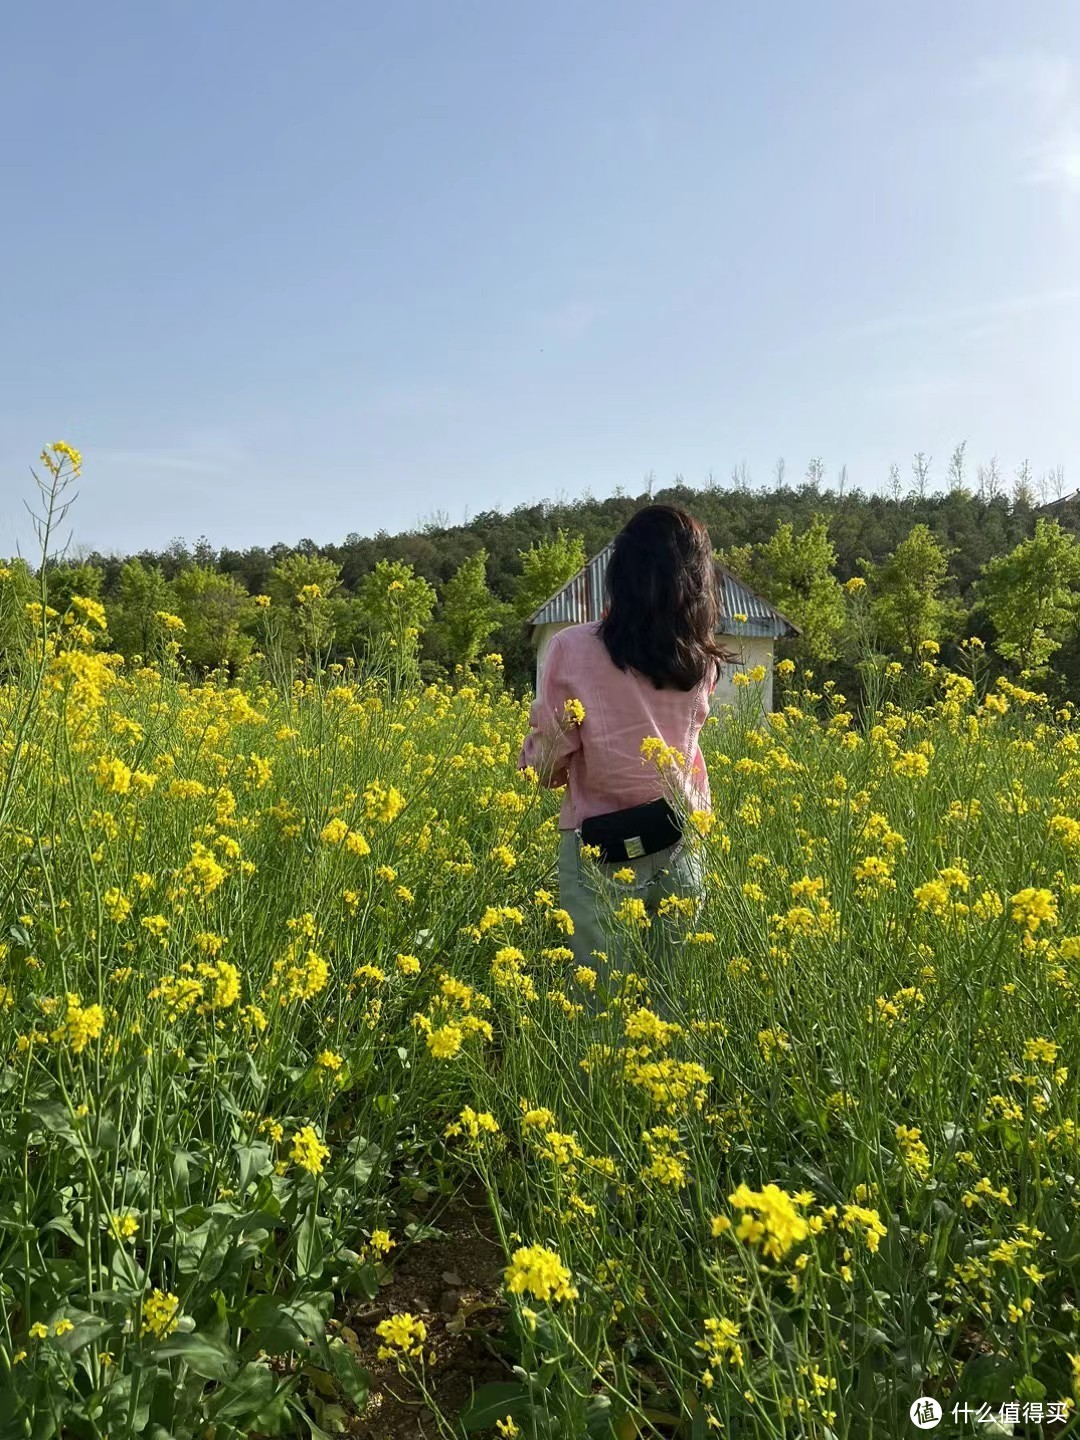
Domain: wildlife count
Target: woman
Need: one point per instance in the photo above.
(646, 669)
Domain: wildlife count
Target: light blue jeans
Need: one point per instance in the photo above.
(590, 895)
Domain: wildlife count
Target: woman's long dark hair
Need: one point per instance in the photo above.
(663, 599)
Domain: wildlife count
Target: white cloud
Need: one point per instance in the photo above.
(924, 392)
(966, 318)
(1042, 94)
(163, 460)
(1057, 162)
(570, 320)
(414, 400)
(1045, 80)
(204, 451)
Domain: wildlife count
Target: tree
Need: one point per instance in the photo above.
(545, 567)
(392, 594)
(468, 613)
(862, 526)
(920, 470)
(144, 592)
(906, 605)
(19, 589)
(395, 605)
(1031, 596)
(216, 611)
(989, 480)
(815, 472)
(301, 589)
(1023, 489)
(957, 483)
(796, 573)
(66, 580)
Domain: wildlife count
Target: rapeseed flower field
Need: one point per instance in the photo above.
(275, 962)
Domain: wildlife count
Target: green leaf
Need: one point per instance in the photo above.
(630, 1426)
(1029, 1389)
(63, 1226)
(87, 1329)
(258, 1084)
(117, 1416)
(218, 1324)
(309, 1247)
(329, 1419)
(278, 1327)
(191, 1217)
(312, 1314)
(315, 1429)
(599, 1421)
(203, 1355)
(417, 1232)
(354, 1380)
(11, 1221)
(272, 1328)
(244, 1395)
(106, 1135)
(54, 1115)
(253, 1161)
(496, 1401)
(321, 1381)
(124, 1266)
(334, 1416)
(363, 1280)
(181, 1170)
(988, 1379)
(272, 1419)
(360, 1171)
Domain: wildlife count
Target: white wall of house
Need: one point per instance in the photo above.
(750, 652)
(542, 639)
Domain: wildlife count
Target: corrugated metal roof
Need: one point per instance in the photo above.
(581, 600)
(761, 617)
(1060, 503)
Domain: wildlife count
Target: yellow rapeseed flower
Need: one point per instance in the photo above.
(403, 1337)
(771, 1219)
(82, 1024)
(308, 1151)
(538, 1271)
(446, 1042)
(161, 1313)
(1033, 907)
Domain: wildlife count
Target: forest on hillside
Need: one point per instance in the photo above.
(859, 572)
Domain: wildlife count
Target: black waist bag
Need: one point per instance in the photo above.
(630, 834)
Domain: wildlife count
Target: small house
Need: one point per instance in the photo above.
(749, 627)
(1065, 510)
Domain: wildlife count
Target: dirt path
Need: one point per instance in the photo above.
(453, 1285)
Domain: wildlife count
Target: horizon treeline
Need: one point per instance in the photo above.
(895, 574)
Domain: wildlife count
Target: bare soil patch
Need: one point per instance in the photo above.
(453, 1285)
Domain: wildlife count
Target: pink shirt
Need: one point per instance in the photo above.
(600, 760)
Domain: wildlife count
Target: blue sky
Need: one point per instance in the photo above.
(287, 271)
